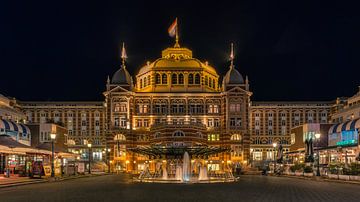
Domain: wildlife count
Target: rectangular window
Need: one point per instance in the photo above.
(232, 122)
(216, 123)
(210, 123)
(138, 123)
(213, 137)
(238, 122)
(146, 122)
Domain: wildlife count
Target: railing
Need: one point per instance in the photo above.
(186, 124)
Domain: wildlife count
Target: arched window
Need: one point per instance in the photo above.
(141, 83)
(157, 134)
(181, 79)
(209, 82)
(191, 79)
(148, 80)
(174, 79)
(178, 133)
(213, 83)
(206, 80)
(164, 79)
(145, 81)
(157, 79)
(119, 137)
(197, 79)
(236, 137)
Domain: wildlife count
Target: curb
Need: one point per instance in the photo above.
(47, 180)
(321, 179)
(22, 183)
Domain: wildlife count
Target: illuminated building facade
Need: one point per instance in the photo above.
(271, 122)
(84, 121)
(177, 101)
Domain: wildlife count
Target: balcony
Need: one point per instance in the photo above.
(182, 125)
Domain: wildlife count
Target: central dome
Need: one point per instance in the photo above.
(177, 59)
(177, 71)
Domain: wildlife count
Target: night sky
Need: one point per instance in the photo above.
(291, 50)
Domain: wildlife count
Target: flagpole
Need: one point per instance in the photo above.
(176, 35)
(123, 57)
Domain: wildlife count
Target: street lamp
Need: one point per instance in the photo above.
(108, 158)
(52, 137)
(317, 137)
(89, 146)
(274, 145)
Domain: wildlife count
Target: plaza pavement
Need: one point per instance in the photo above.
(122, 188)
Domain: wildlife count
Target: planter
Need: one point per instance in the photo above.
(344, 177)
(299, 173)
(333, 176)
(354, 177)
(308, 174)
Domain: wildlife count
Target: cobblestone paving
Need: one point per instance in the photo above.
(121, 188)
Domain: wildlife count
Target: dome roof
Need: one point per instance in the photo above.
(121, 76)
(179, 59)
(233, 76)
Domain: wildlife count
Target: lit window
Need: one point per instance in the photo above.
(197, 78)
(164, 79)
(191, 79)
(181, 79)
(157, 79)
(174, 79)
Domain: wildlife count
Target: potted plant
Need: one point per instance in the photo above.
(308, 171)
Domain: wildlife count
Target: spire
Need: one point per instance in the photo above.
(108, 79)
(232, 56)
(123, 55)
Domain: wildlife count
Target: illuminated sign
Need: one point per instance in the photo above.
(348, 137)
(346, 142)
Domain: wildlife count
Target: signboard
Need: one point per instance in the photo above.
(348, 137)
(47, 170)
(81, 167)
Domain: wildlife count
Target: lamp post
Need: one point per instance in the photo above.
(89, 146)
(274, 145)
(317, 137)
(108, 158)
(52, 137)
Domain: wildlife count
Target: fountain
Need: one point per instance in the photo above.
(182, 172)
(203, 173)
(178, 173)
(164, 173)
(186, 167)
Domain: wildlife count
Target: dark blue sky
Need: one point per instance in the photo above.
(291, 50)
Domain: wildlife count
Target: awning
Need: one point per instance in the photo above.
(11, 126)
(9, 145)
(345, 126)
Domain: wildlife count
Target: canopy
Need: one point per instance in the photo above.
(345, 126)
(158, 151)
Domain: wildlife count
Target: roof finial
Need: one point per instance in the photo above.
(173, 31)
(232, 56)
(108, 79)
(123, 55)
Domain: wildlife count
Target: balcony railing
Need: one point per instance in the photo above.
(185, 124)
